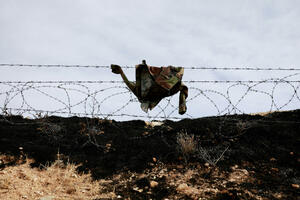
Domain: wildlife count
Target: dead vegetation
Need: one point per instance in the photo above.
(55, 181)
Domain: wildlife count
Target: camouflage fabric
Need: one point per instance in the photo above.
(154, 83)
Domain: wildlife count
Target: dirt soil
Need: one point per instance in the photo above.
(226, 157)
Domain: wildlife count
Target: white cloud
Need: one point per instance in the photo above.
(164, 32)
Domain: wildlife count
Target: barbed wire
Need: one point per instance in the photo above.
(130, 67)
(114, 100)
(244, 68)
(59, 82)
(118, 82)
(54, 66)
(104, 115)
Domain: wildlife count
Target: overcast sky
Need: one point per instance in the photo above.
(231, 33)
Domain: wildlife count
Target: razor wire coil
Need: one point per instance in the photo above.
(96, 94)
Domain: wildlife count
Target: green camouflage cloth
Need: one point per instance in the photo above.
(154, 83)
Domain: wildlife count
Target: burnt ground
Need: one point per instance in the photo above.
(231, 157)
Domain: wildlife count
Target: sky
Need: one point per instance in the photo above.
(232, 33)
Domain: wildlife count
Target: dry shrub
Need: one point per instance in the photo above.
(187, 144)
(54, 181)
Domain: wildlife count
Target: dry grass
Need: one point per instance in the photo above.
(55, 182)
(187, 144)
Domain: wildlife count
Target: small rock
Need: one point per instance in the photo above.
(206, 164)
(156, 123)
(153, 184)
(182, 187)
(277, 196)
(138, 189)
(272, 159)
(275, 169)
(234, 167)
(47, 198)
(180, 166)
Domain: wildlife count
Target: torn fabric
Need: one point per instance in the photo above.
(154, 83)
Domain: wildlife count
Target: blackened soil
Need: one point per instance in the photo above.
(262, 149)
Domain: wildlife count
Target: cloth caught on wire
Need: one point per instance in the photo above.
(155, 83)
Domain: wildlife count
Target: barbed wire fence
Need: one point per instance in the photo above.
(93, 98)
(112, 100)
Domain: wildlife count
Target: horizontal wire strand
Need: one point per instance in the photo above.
(118, 82)
(130, 67)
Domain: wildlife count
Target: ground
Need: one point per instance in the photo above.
(224, 157)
